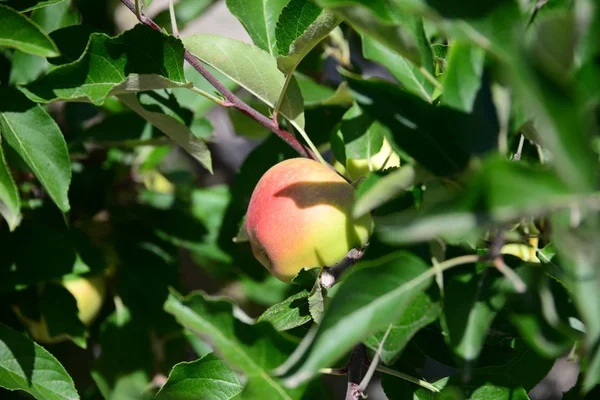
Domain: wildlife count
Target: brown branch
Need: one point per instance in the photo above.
(331, 275)
(232, 99)
(357, 368)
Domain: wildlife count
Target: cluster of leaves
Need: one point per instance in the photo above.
(104, 171)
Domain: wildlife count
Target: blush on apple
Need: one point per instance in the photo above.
(300, 215)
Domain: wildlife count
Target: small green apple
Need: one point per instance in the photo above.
(89, 293)
(300, 215)
(385, 158)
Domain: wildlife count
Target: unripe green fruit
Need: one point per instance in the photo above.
(524, 252)
(385, 158)
(89, 294)
(300, 215)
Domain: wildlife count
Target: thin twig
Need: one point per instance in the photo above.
(374, 362)
(540, 152)
(431, 78)
(517, 155)
(536, 10)
(210, 97)
(138, 9)
(286, 83)
(173, 19)
(408, 378)
(232, 99)
(511, 275)
(498, 261)
(334, 371)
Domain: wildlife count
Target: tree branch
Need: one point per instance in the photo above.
(231, 99)
(357, 368)
(330, 276)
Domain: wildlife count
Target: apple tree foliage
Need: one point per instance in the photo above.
(110, 166)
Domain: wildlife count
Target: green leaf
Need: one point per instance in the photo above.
(556, 114)
(252, 68)
(359, 136)
(471, 302)
(579, 257)
(288, 314)
(481, 388)
(259, 17)
(25, 365)
(10, 201)
(253, 349)
(59, 309)
(208, 377)
(542, 313)
(200, 104)
(137, 60)
(315, 95)
(462, 78)
(316, 299)
(208, 206)
(397, 389)
(386, 287)
(382, 22)
(422, 311)
(72, 41)
(173, 128)
(408, 74)
(515, 371)
(34, 135)
(415, 128)
(293, 21)
(27, 67)
(30, 5)
(42, 248)
(123, 374)
(301, 26)
(488, 199)
(378, 189)
(18, 32)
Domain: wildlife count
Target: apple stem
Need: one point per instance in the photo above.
(330, 276)
(232, 99)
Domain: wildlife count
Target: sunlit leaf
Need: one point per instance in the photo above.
(259, 17)
(25, 365)
(137, 60)
(252, 68)
(18, 32)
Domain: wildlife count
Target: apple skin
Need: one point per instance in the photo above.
(384, 159)
(523, 251)
(300, 216)
(89, 294)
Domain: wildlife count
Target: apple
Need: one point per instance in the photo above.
(89, 293)
(385, 158)
(300, 215)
